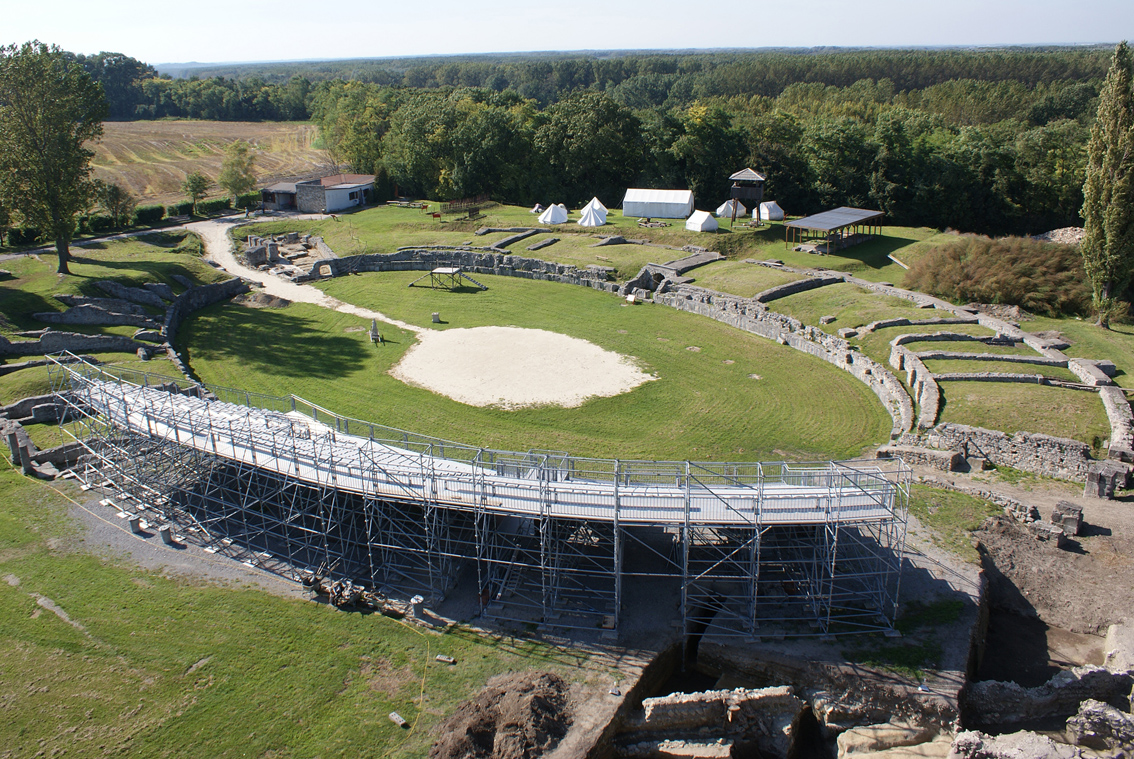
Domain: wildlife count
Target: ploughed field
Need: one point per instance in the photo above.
(152, 158)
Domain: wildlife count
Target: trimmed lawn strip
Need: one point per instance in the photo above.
(851, 305)
(1001, 367)
(738, 278)
(168, 661)
(1088, 341)
(701, 408)
(969, 346)
(1013, 407)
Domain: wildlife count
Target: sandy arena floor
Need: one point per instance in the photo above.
(512, 367)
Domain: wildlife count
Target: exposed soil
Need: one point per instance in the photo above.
(263, 300)
(516, 716)
(1065, 235)
(1083, 588)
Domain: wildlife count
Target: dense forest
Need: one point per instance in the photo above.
(989, 141)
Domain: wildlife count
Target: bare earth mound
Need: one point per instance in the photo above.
(513, 367)
(516, 716)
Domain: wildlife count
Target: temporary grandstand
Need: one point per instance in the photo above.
(748, 549)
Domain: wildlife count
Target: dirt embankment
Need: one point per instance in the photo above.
(516, 716)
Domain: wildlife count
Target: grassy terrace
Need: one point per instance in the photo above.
(704, 405)
(161, 663)
(150, 258)
(851, 305)
(1088, 341)
(738, 278)
(1012, 407)
(1002, 367)
(383, 230)
(877, 343)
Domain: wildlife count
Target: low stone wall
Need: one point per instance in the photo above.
(1121, 420)
(920, 381)
(1003, 703)
(54, 342)
(1028, 379)
(483, 261)
(720, 708)
(1043, 454)
(798, 286)
(945, 461)
(904, 322)
(1086, 370)
(1008, 359)
(92, 314)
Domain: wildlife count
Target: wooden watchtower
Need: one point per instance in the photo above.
(748, 188)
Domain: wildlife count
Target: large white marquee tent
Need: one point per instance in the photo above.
(660, 204)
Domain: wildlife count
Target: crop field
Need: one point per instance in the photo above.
(152, 158)
(721, 394)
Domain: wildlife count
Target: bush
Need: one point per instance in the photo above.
(1041, 277)
(96, 223)
(206, 207)
(184, 208)
(248, 200)
(21, 236)
(148, 215)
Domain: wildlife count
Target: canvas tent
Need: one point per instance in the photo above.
(701, 221)
(592, 217)
(595, 204)
(553, 215)
(660, 204)
(770, 211)
(724, 211)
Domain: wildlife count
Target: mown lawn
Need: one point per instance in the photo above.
(1088, 341)
(149, 258)
(877, 343)
(851, 305)
(704, 406)
(739, 278)
(171, 666)
(1011, 407)
(1002, 367)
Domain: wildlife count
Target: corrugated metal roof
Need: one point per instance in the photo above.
(658, 196)
(838, 218)
(747, 175)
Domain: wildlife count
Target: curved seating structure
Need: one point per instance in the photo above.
(553, 538)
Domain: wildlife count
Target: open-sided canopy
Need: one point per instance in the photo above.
(553, 215)
(701, 221)
(660, 204)
(724, 210)
(829, 221)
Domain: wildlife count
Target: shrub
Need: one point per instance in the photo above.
(22, 236)
(184, 208)
(248, 200)
(96, 223)
(206, 207)
(148, 215)
(1041, 277)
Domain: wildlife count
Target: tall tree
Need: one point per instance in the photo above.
(116, 200)
(49, 109)
(196, 186)
(1108, 192)
(237, 174)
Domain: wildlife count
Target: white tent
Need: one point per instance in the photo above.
(660, 204)
(770, 211)
(595, 204)
(701, 221)
(592, 217)
(724, 211)
(553, 215)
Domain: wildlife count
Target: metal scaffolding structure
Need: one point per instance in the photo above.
(745, 549)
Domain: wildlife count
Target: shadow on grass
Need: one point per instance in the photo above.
(874, 254)
(141, 272)
(274, 343)
(19, 305)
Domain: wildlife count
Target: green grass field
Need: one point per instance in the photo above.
(150, 258)
(1003, 367)
(952, 517)
(1011, 407)
(704, 406)
(739, 278)
(167, 665)
(877, 343)
(851, 305)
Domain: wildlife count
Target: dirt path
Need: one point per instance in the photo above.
(218, 248)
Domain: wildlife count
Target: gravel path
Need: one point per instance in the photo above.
(218, 248)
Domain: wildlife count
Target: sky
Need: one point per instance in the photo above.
(239, 30)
